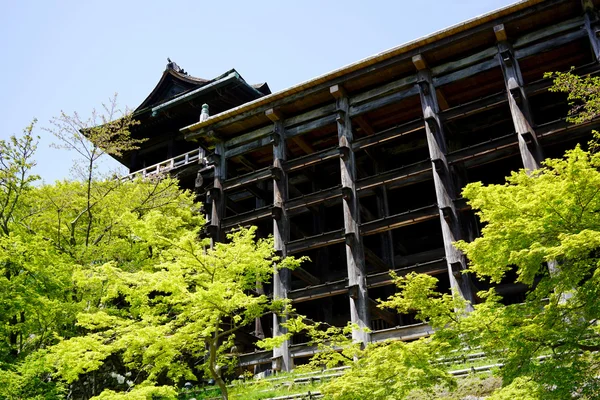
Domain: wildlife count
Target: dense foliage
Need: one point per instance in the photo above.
(106, 289)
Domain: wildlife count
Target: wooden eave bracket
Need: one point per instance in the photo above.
(419, 62)
(274, 115)
(500, 33)
(337, 91)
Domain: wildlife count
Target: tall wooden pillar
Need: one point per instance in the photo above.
(592, 26)
(357, 284)
(282, 360)
(445, 190)
(531, 152)
(217, 195)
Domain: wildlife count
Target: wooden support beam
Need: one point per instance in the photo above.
(442, 100)
(247, 218)
(217, 195)
(311, 159)
(308, 149)
(315, 241)
(380, 279)
(282, 360)
(432, 267)
(592, 27)
(484, 152)
(315, 198)
(445, 189)
(359, 308)
(474, 107)
(388, 134)
(305, 276)
(362, 122)
(417, 172)
(399, 220)
(380, 313)
(374, 260)
(240, 181)
(531, 152)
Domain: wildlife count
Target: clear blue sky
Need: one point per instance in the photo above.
(73, 55)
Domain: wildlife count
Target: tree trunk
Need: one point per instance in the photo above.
(212, 348)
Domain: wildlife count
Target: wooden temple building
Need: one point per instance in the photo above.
(361, 169)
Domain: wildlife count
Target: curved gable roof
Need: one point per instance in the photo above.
(173, 82)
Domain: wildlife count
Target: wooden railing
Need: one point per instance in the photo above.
(195, 156)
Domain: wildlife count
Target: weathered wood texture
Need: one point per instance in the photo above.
(355, 259)
(217, 194)
(445, 191)
(531, 152)
(282, 359)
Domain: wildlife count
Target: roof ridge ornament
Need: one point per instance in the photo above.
(173, 65)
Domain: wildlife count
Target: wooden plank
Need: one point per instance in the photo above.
(434, 267)
(549, 44)
(338, 287)
(465, 73)
(310, 126)
(382, 101)
(315, 292)
(388, 134)
(481, 149)
(314, 198)
(247, 148)
(311, 159)
(383, 90)
(247, 218)
(412, 173)
(249, 137)
(563, 26)
(473, 107)
(243, 180)
(464, 62)
(316, 241)
(322, 111)
(395, 221)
